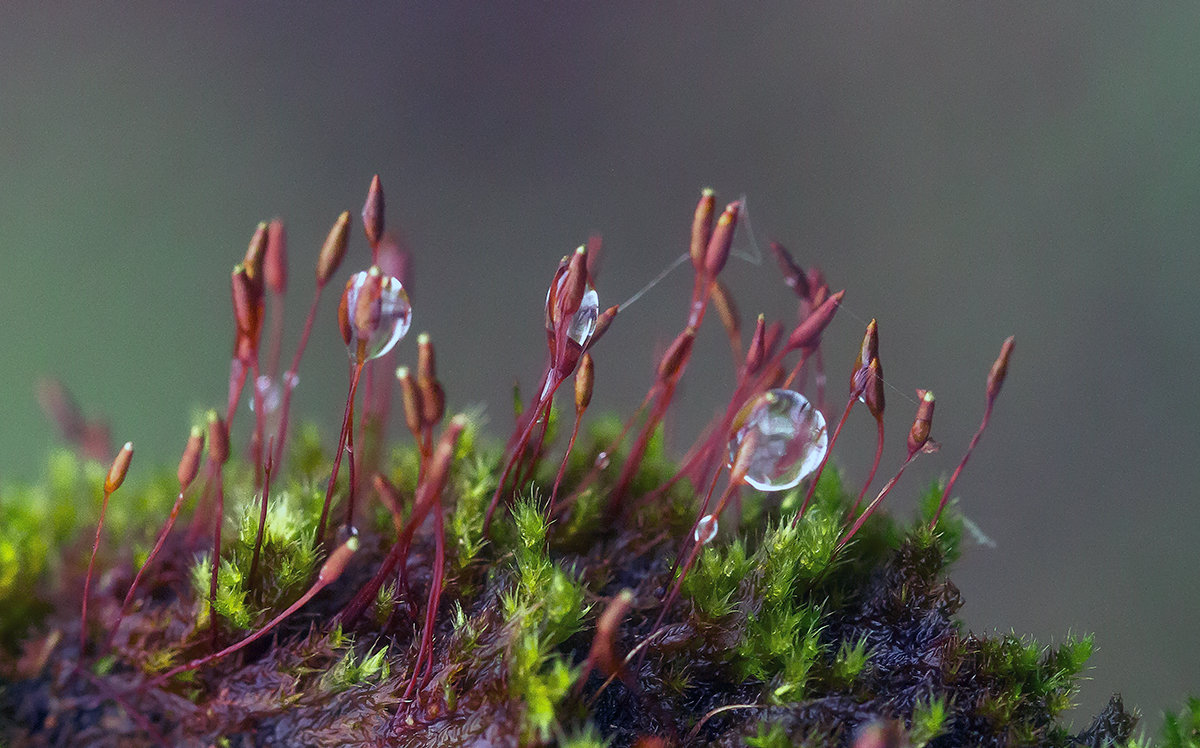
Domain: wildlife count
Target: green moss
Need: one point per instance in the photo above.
(1182, 730)
(543, 609)
(780, 636)
(929, 720)
(354, 670)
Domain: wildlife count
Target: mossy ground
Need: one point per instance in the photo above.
(776, 640)
(556, 624)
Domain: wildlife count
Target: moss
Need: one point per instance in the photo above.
(451, 625)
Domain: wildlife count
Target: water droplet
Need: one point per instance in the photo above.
(394, 318)
(344, 533)
(602, 461)
(791, 439)
(706, 529)
(583, 323)
(270, 391)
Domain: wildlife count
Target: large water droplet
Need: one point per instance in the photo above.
(706, 530)
(583, 322)
(790, 439)
(395, 314)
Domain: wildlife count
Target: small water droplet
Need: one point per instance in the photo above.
(706, 529)
(791, 439)
(395, 313)
(345, 532)
(602, 461)
(583, 323)
(269, 391)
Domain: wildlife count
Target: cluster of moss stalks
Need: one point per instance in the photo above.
(545, 631)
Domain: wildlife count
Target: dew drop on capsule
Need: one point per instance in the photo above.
(790, 439)
(706, 529)
(583, 323)
(395, 313)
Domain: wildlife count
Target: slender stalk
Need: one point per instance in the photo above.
(874, 466)
(987, 415)
(158, 544)
(116, 476)
(699, 516)
(551, 384)
(429, 492)
(260, 426)
(425, 650)
(347, 422)
(216, 554)
(218, 453)
(812, 486)
(352, 483)
(189, 465)
(562, 468)
(995, 381)
(87, 580)
(252, 580)
(291, 378)
(875, 503)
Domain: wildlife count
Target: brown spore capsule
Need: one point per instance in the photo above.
(334, 249)
(372, 212)
(218, 438)
(999, 369)
(918, 435)
(808, 333)
(189, 463)
(118, 469)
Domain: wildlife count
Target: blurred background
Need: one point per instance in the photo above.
(967, 172)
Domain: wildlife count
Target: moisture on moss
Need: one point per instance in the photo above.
(487, 603)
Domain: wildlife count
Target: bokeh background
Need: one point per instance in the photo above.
(966, 171)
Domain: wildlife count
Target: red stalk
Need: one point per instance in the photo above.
(189, 466)
(429, 493)
(874, 466)
(218, 453)
(328, 261)
(262, 520)
(995, 380)
(347, 422)
(812, 486)
(584, 383)
(875, 503)
(290, 379)
(113, 481)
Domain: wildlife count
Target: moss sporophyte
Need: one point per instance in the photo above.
(438, 590)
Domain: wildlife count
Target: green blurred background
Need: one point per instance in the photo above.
(966, 171)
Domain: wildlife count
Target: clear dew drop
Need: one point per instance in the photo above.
(706, 530)
(583, 323)
(790, 435)
(395, 314)
(602, 461)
